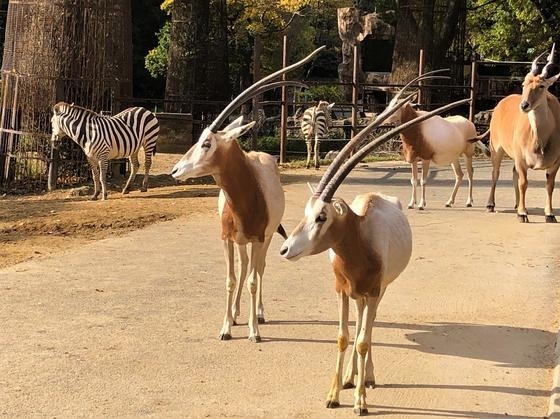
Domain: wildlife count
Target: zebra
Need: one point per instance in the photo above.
(315, 124)
(103, 138)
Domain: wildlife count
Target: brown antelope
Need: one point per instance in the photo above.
(526, 127)
(251, 200)
(438, 140)
(369, 243)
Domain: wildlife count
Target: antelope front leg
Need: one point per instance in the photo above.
(352, 367)
(243, 264)
(414, 183)
(470, 175)
(423, 182)
(458, 178)
(363, 346)
(342, 341)
(522, 184)
(550, 179)
(225, 333)
(252, 284)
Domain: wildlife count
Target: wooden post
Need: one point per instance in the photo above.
(474, 70)
(257, 50)
(355, 83)
(283, 104)
(420, 72)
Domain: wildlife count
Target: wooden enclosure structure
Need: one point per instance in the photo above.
(78, 51)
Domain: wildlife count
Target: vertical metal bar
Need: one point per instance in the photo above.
(283, 104)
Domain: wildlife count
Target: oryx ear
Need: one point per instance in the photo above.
(340, 206)
(234, 133)
(236, 123)
(551, 80)
(311, 187)
(330, 105)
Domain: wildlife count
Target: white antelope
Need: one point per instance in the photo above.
(369, 243)
(251, 200)
(438, 140)
(526, 127)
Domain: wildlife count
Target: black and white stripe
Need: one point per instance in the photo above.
(315, 124)
(105, 138)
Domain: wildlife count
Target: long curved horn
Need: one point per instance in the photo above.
(428, 75)
(277, 84)
(256, 87)
(551, 67)
(535, 64)
(336, 181)
(354, 141)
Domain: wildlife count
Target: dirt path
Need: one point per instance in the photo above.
(127, 326)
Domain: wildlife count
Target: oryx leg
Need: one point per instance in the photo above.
(456, 166)
(522, 183)
(317, 155)
(352, 367)
(550, 179)
(243, 264)
(134, 166)
(342, 342)
(147, 166)
(423, 182)
(225, 333)
(515, 181)
(496, 157)
(470, 176)
(363, 347)
(253, 286)
(309, 151)
(414, 183)
(260, 269)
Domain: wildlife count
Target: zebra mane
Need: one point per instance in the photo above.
(63, 107)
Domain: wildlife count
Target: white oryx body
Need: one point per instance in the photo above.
(526, 127)
(369, 243)
(251, 206)
(440, 141)
(251, 200)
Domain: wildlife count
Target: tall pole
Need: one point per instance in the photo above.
(420, 72)
(283, 104)
(355, 91)
(474, 70)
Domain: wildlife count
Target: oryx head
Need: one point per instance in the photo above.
(200, 159)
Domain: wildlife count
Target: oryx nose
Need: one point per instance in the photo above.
(524, 106)
(283, 250)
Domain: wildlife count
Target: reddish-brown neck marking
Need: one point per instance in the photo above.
(414, 144)
(245, 211)
(357, 267)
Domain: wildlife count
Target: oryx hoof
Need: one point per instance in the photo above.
(261, 320)
(333, 404)
(490, 208)
(448, 205)
(225, 336)
(347, 385)
(369, 383)
(522, 218)
(361, 411)
(420, 208)
(469, 205)
(235, 323)
(143, 189)
(255, 339)
(550, 218)
(94, 198)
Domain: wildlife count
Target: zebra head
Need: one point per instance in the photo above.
(58, 132)
(210, 151)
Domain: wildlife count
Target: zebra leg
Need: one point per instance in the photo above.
(309, 150)
(317, 156)
(103, 164)
(147, 166)
(94, 164)
(134, 165)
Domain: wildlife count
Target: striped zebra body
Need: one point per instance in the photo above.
(315, 124)
(105, 138)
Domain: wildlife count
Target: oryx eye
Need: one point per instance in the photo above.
(321, 218)
(206, 144)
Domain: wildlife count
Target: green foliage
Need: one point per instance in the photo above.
(156, 60)
(506, 30)
(330, 93)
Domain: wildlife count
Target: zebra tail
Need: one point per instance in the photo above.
(280, 230)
